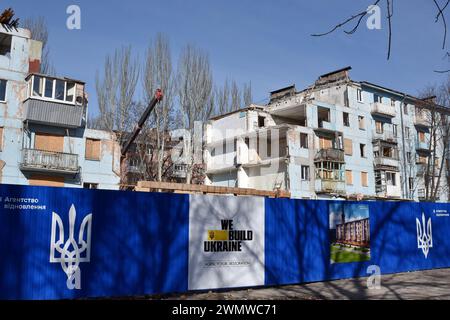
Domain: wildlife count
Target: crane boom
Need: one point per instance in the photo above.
(157, 98)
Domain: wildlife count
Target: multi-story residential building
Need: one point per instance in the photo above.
(338, 138)
(43, 134)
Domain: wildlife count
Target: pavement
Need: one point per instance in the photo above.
(429, 284)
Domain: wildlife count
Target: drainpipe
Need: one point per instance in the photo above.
(405, 184)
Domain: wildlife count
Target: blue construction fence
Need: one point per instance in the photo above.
(131, 243)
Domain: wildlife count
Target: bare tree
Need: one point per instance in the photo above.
(195, 94)
(158, 73)
(247, 94)
(39, 32)
(440, 5)
(222, 98)
(235, 96)
(116, 88)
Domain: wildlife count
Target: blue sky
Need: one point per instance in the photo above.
(265, 42)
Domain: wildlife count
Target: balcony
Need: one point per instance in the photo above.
(55, 101)
(48, 161)
(420, 120)
(336, 155)
(385, 162)
(326, 126)
(388, 136)
(329, 186)
(422, 145)
(383, 110)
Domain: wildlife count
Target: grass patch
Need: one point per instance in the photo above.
(339, 255)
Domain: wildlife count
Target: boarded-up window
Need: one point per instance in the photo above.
(325, 143)
(364, 180)
(348, 147)
(49, 142)
(1, 138)
(421, 136)
(349, 177)
(49, 181)
(92, 149)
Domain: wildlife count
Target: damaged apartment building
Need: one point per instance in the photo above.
(338, 138)
(43, 135)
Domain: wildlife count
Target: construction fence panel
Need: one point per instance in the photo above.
(62, 243)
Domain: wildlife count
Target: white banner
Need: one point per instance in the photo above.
(226, 242)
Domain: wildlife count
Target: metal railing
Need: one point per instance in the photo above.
(49, 160)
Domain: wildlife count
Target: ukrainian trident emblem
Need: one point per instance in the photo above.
(424, 235)
(71, 252)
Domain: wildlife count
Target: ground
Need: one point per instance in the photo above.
(430, 284)
(340, 253)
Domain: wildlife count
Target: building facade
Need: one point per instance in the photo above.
(338, 138)
(43, 135)
(355, 233)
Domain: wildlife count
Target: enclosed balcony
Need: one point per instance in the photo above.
(383, 110)
(49, 161)
(55, 101)
(385, 135)
(329, 186)
(385, 162)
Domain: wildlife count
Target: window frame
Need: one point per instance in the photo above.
(6, 91)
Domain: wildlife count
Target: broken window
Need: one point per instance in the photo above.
(5, 44)
(405, 108)
(261, 121)
(362, 150)
(411, 183)
(304, 140)
(88, 185)
(323, 115)
(408, 157)
(395, 130)
(346, 119)
(3, 90)
(390, 178)
(392, 102)
(407, 132)
(59, 90)
(70, 91)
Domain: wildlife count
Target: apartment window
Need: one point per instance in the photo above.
(323, 115)
(362, 150)
(377, 98)
(422, 159)
(379, 126)
(411, 183)
(2, 90)
(348, 147)
(92, 149)
(421, 136)
(390, 178)
(393, 103)
(359, 95)
(304, 140)
(361, 123)
(5, 44)
(88, 185)
(407, 132)
(349, 177)
(38, 86)
(59, 90)
(70, 91)
(408, 157)
(364, 179)
(395, 130)
(405, 108)
(305, 173)
(346, 119)
(261, 121)
(1, 138)
(48, 92)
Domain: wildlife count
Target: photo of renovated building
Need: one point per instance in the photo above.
(349, 232)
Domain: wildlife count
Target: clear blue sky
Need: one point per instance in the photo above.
(265, 42)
